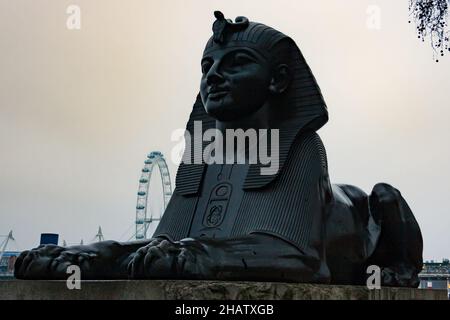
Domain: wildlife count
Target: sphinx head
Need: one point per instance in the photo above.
(243, 68)
(249, 68)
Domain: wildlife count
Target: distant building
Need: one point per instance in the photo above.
(435, 275)
(7, 264)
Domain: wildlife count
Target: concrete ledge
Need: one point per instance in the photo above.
(203, 290)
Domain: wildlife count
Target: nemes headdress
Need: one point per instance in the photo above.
(242, 32)
(302, 108)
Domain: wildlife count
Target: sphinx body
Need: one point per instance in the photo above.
(230, 222)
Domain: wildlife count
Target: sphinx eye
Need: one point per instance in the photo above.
(206, 65)
(242, 59)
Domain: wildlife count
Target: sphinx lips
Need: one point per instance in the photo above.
(216, 95)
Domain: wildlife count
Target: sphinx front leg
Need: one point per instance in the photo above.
(256, 257)
(101, 260)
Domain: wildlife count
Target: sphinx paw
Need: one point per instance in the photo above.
(161, 259)
(35, 263)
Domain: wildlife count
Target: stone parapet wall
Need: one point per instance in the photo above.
(204, 290)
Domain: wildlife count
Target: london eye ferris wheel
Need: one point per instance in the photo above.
(145, 217)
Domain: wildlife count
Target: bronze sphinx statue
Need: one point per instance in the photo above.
(228, 221)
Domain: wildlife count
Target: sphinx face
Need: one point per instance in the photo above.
(235, 83)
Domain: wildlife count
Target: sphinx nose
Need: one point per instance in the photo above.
(214, 77)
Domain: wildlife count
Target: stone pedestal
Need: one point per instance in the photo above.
(204, 290)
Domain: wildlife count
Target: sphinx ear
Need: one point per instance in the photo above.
(280, 80)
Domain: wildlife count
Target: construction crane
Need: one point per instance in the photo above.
(99, 236)
(5, 244)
